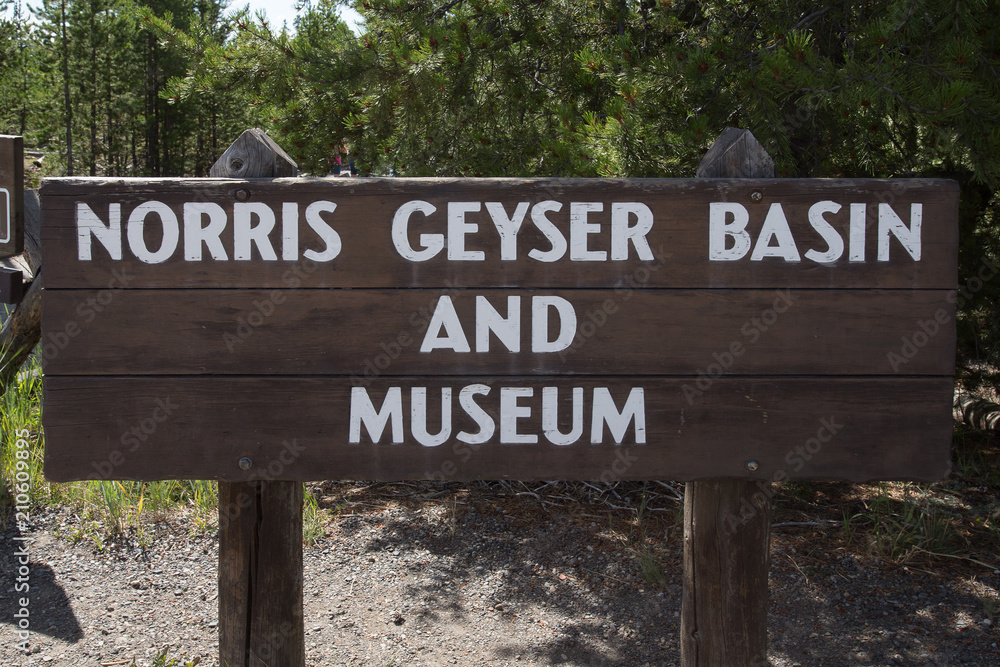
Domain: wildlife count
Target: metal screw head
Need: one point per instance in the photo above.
(242, 195)
(246, 463)
(756, 195)
(752, 465)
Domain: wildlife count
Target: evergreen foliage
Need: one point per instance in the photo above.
(83, 82)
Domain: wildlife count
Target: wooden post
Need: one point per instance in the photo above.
(260, 522)
(260, 574)
(22, 329)
(11, 195)
(727, 522)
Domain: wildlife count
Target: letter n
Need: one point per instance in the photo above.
(89, 225)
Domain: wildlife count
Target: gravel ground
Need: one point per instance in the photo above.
(475, 576)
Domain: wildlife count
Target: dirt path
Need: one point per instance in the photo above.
(479, 577)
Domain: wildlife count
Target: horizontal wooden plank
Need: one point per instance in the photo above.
(678, 240)
(300, 429)
(367, 333)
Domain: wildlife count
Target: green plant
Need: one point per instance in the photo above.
(312, 519)
(113, 505)
(202, 494)
(20, 424)
(162, 660)
(904, 530)
(651, 568)
(976, 455)
(849, 531)
(991, 607)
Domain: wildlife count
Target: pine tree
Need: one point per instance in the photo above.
(881, 88)
(16, 79)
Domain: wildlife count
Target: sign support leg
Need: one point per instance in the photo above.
(727, 522)
(727, 528)
(260, 574)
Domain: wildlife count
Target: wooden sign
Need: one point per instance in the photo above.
(390, 329)
(11, 196)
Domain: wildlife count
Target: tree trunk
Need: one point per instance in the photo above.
(67, 104)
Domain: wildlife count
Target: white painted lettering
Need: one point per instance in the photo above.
(580, 228)
(487, 427)
(430, 244)
(540, 341)
(605, 412)
(195, 235)
(326, 233)
(775, 227)
(890, 223)
(363, 412)
(137, 232)
(246, 234)
(514, 408)
(507, 329)
(834, 243)
(719, 231)
(445, 331)
(551, 232)
(290, 231)
(550, 416)
(622, 233)
(89, 225)
(510, 412)
(459, 228)
(507, 227)
(858, 224)
(418, 417)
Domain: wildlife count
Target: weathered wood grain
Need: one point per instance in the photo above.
(371, 332)
(736, 154)
(726, 563)
(365, 209)
(22, 329)
(260, 574)
(12, 202)
(363, 315)
(298, 428)
(254, 155)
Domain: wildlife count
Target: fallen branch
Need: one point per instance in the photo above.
(977, 413)
(22, 330)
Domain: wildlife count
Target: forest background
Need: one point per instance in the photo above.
(614, 88)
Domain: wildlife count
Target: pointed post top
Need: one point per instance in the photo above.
(736, 154)
(254, 155)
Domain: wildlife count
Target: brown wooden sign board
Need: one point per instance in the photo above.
(11, 196)
(498, 328)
